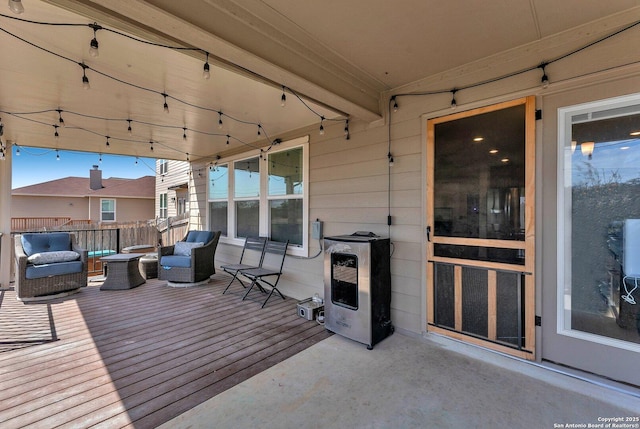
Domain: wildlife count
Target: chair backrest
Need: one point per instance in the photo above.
(274, 254)
(254, 244)
(631, 247)
(45, 242)
(199, 236)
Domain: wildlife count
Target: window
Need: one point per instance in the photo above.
(163, 206)
(218, 191)
(164, 167)
(107, 210)
(598, 185)
(262, 195)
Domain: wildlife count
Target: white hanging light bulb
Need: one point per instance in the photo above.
(85, 79)
(108, 144)
(93, 45)
(206, 72)
(57, 155)
(16, 6)
(184, 133)
(321, 125)
(283, 99)
(454, 104)
(395, 104)
(166, 106)
(545, 79)
(55, 133)
(60, 120)
(219, 120)
(129, 130)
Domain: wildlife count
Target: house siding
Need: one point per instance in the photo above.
(178, 173)
(349, 178)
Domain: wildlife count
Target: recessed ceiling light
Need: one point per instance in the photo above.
(492, 151)
(478, 139)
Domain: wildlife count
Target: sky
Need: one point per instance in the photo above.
(35, 165)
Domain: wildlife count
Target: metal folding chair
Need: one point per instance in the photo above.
(275, 253)
(252, 246)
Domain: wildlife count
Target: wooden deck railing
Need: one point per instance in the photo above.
(20, 224)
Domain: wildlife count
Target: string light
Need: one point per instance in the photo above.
(107, 143)
(60, 120)
(100, 159)
(219, 120)
(322, 125)
(136, 161)
(206, 72)
(545, 79)
(85, 79)
(16, 6)
(228, 138)
(17, 151)
(187, 156)
(129, 130)
(390, 157)
(283, 99)
(93, 45)
(454, 104)
(395, 103)
(55, 133)
(346, 129)
(151, 143)
(184, 133)
(166, 106)
(57, 155)
(259, 127)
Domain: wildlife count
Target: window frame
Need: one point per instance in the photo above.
(102, 212)
(163, 167)
(164, 197)
(564, 209)
(264, 198)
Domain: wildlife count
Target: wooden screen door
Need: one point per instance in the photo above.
(480, 226)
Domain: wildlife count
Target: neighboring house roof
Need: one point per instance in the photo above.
(114, 187)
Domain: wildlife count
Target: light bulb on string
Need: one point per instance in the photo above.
(395, 103)
(57, 155)
(545, 79)
(346, 129)
(454, 104)
(93, 45)
(283, 99)
(107, 143)
(187, 156)
(151, 143)
(219, 120)
(136, 161)
(60, 120)
(17, 151)
(100, 159)
(259, 127)
(129, 130)
(166, 106)
(390, 157)
(16, 6)
(228, 138)
(85, 79)
(55, 133)
(321, 125)
(206, 71)
(184, 133)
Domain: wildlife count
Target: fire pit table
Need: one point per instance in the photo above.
(122, 271)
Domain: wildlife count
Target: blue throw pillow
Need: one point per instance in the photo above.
(183, 248)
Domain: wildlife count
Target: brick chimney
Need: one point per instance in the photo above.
(95, 178)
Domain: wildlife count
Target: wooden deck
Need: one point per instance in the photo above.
(139, 357)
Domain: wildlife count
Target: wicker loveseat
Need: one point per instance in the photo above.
(190, 260)
(48, 264)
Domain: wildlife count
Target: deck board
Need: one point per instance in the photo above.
(139, 357)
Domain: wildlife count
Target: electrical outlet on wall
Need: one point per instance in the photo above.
(316, 229)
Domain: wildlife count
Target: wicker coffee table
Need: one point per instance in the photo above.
(122, 271)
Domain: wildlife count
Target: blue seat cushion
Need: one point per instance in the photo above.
(47, 242)
(203, 236)
(175, 261)
(57, 269)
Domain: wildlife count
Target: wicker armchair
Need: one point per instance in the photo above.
(45, 279)
(194, 266)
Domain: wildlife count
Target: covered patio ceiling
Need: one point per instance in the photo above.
(333, 60)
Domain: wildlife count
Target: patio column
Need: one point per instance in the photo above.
(5, 218)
